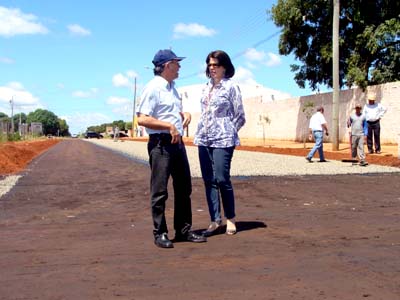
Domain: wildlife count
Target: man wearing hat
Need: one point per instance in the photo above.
(160, 112)
(359, 131)
(373, 112)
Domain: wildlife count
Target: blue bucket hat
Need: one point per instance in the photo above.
(163, 56)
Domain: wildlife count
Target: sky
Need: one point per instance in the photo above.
(81, 59)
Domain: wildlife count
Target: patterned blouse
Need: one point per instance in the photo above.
(222, 115)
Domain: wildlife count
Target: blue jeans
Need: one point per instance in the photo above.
(215, 166)
(319, 145)
(167, 160)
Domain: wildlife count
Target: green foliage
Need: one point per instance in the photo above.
(128, 125)
(98, 128)
(13, 137)
(369, 40)
(102, 128)
(63, 127)
(16, 120)
(3, 116)
(308, 109)
(48, 119)
(120, 124)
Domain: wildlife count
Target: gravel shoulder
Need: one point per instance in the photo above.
(249, 163)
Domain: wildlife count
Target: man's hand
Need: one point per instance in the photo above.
(176, 136)
(186, 119)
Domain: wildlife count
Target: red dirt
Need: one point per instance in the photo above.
(14, 156)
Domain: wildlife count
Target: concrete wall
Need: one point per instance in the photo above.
(288, 122)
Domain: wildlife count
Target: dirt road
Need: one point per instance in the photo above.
(77, 226)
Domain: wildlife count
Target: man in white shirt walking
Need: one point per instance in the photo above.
(317, 127)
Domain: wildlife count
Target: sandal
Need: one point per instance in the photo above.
(212, 229)
(230, 227)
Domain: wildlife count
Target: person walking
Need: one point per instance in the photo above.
(373, 113)
(317, 127)
(359, 131)
(160, 112)
(222, 116)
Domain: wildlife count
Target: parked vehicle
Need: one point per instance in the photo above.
(92, 135)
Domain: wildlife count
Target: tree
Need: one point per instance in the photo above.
(307, 110)
(17, 118)
(120, 124)
(63, 127)
(4, 116)
(369, 41)
(263, 120)
(48, 119)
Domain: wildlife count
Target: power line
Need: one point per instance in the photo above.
(243, 52)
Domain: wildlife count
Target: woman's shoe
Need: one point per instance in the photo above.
(230, 227)
(212, 229)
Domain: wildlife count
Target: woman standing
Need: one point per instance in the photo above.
(222, 115)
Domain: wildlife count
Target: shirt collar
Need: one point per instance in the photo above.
(162, 81)
(223, 82)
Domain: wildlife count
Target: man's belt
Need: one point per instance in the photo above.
(160, 138)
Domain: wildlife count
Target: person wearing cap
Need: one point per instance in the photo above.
(222, 116)
(317, 127)
(359, 131)
(373, 113)
(160, 112)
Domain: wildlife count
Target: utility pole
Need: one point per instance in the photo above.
(20, 123)
(12, 114)
(335, 74)
(134, 111)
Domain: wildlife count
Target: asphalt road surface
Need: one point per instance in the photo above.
(77, 225)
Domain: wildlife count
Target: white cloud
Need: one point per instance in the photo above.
(132, 74)
(79, 122)
(118, 100)
(121, 80)
(124, 110)
(6, 60)
(182, 30)
(269, 59)
(243, 75)
(254, 55)
(76, 29)
(273, 60)
(14, 22)
(23, 100)
(91, 93)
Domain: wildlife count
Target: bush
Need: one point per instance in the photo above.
(13, 137)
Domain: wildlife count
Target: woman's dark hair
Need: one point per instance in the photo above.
(223, 60)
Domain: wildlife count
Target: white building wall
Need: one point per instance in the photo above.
(288, 122)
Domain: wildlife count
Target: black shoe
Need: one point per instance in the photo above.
(309, 159)
(371, 152)
(323, 160)
(163, 241)
(190, 237)
(363, 163)
(213, 228)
